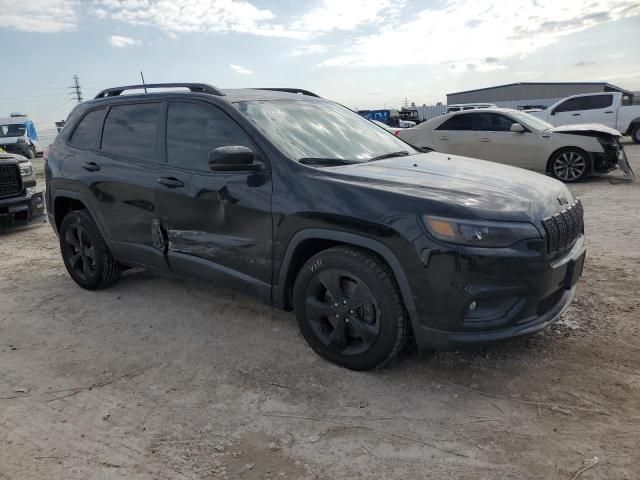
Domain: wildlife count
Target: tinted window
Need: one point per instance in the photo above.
(131, 130)
(493, 122)
(87, 133)
(597, 101)
(570, 105)
(193, 130)
(457, 122)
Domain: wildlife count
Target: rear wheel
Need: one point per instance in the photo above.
(635, 134)
(85, 252)
(349, 309)
(569, 165)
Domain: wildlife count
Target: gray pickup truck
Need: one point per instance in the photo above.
(20, 196)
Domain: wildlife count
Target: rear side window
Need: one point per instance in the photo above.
(458, 122)
(87, 133)
(131, 130)
(570, 105)
(595, 102)
(493, 122)
(193, 130)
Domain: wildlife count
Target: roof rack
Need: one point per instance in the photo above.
(194, 87)
(299, 91)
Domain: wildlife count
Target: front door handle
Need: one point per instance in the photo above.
(575, 114)
(444, 137)
(170, 182)
(484, 139)
(91, 166)
(608, 111)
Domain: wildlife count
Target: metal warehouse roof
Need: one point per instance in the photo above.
(605, 84)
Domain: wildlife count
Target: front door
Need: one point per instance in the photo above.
(497, 143)
(218, 224)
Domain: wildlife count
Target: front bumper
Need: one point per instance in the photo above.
(23, 207)
(483, 295)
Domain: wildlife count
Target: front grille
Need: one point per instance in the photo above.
(550, 301)
(9, 180)
(564, 228)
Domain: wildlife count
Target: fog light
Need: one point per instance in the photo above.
(472, 306)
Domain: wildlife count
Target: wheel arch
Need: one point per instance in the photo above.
(308, 242)
(66, 201)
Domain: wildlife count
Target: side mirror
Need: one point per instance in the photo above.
(233, 158)
(553, 112)
(517, 128)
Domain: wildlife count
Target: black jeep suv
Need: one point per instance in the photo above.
(309, 206)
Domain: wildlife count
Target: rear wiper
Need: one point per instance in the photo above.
(403, 153)
(326, 161)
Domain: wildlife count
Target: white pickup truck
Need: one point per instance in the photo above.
(612, 109)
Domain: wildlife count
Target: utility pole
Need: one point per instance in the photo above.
(77, 90)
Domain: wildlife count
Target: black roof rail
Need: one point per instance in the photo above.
(299, 91)
(194, 87)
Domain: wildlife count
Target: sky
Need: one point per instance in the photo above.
(362, 53)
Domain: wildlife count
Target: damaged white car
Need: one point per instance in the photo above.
(569, 152)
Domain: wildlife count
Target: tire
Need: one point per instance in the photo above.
(569, 165)
(635, 133)
(349, 309)
(85, 252)
(31, 152)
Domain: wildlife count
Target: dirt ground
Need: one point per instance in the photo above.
(163, 378)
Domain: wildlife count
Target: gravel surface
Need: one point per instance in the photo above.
(163, 378)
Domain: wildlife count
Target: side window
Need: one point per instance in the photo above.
(193, 130)
(493, 122)
(570, 105)
(131, 130)
(596, 102)
(87, 133)
(457, 122)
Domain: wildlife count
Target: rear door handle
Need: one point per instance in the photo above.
(608, 111)
(170, 182)
(443, 137)
(91, 166)
(575, 114)
(484, 139)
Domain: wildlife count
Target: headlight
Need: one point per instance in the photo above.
(26, 169)
(480, 233)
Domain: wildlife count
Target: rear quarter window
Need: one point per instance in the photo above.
(87, 133)
(457, 122)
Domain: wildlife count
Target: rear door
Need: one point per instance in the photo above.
(456, 136)
(598, 109)
(218, 223)
(122, 178)
(497, 143)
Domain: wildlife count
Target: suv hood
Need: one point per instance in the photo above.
(480, 189)
(583, 128)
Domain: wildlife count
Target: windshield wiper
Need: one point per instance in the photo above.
(403, 153)
(326, 161)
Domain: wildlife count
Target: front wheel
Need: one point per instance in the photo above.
(635, 134)
(569, 165)
(85, 252)
(31, 152)
(349, 309)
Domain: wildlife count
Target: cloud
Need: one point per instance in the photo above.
(312, 49)
(178, 16)
(121, 42)
(43, 16)
(240, 70)
(468, 32)
(583, 63)
(343, 15)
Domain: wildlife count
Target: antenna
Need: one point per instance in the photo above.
(145, 85)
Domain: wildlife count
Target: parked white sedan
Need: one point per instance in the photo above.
(568, 153)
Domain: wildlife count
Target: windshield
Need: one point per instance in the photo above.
(322, 130)
(12, 130)
(531, 121)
